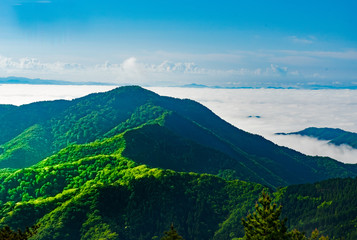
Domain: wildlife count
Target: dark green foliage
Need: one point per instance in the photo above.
(333, 135)
(6, 233)
(171, 234)
(265, 222)
(330, 206)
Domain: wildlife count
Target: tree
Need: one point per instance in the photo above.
(171, 234)
(6, 233)
(265, 224)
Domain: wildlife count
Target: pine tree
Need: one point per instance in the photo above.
(171, 234)
(265, 224)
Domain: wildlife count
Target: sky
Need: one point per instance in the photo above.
(172, 43)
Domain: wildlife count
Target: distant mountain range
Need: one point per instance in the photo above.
(334, 136)
(127, 163)
(245, 85)
(37, 81)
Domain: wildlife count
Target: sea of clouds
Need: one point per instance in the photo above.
(259, 111)
(269, 111)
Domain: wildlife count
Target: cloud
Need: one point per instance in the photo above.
(24, 94)
(280, 70)
(343, 55)
(308, 40)
(313, 147)
(34, 64)
(282, 110)
(247, 69)
(169, 66)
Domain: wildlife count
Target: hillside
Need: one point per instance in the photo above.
(91, 191)
(334, 136)
(331, 205)
(177, 134)
(127, 163)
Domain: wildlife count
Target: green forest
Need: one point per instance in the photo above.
(334, 136)
(130, 164)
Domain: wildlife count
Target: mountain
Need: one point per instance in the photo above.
(37, 81)
(92, 191)
(331, 205)
(334, 136)
(181, 135)
(127, 163)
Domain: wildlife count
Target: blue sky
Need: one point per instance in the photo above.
(226, 43)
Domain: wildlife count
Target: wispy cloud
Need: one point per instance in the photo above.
(309, 40)
(346, 55)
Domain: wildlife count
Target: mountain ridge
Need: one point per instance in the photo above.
(335, 136)
(127, 163)
(57, 124)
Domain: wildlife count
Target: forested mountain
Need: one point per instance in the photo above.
(331, 205)
(178, 134)
(333, 135)
(92, 191)
(127, 163)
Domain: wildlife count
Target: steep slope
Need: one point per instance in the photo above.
(212, 144)
(65, 122)
(333, 135)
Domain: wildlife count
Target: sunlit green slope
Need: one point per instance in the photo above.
(91, 191)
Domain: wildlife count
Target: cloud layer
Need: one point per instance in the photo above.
(282, 110)
(280, 68)
(260, 111)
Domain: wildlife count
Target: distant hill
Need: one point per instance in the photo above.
(335, 136)
(37, 81)
(181, 135)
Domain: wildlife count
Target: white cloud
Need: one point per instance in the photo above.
(346, 55)
(33, 64)
(277, 69)
(169, 66)
(243, 68)
(308, 40)
(22, 94)
(282, 110)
